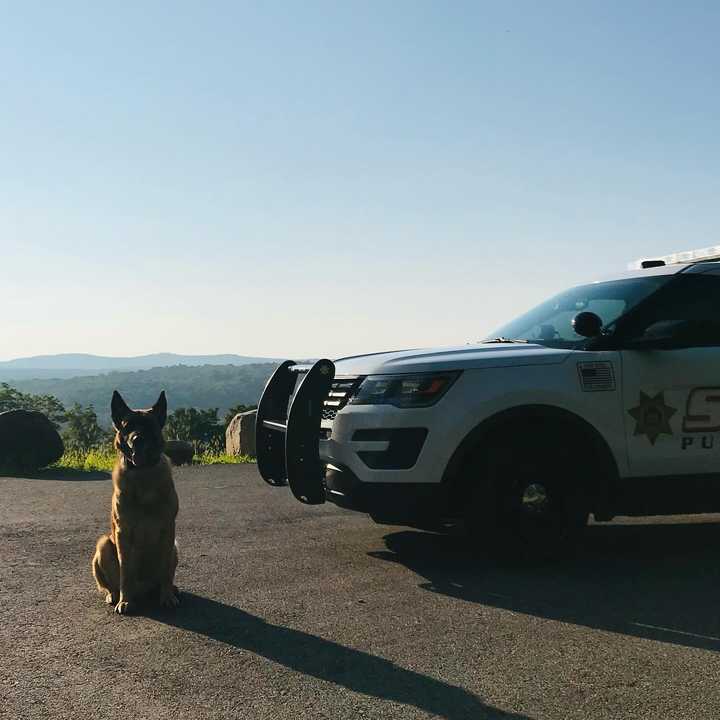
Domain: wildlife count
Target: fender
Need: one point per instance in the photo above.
(599, 457)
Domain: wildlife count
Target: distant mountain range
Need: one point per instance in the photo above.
(69, 365)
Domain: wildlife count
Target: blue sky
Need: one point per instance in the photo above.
(326, 178)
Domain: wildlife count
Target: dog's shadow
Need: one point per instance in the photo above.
(57, 474)
(326, 660)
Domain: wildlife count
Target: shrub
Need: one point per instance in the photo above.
(82, 431)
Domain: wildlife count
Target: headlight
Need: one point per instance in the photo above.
(404, 391)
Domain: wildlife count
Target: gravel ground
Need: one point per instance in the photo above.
(313, 612)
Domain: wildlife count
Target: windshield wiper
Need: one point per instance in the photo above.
(506, 340)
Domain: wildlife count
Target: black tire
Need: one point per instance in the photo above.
(526, 502)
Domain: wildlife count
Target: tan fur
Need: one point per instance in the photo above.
(136, 561)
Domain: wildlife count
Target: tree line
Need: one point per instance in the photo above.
(204, 386)
(80, 430)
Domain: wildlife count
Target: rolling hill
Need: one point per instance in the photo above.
(69, 365)
(204, 386)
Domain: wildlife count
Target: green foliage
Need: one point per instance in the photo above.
(221, 458)
(199, 427)
(89, 445)
(51, 407)
(13, 399)
(203, 387)
(82, 431)
(103, 459)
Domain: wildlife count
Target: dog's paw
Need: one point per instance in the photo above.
(170, 598)
(111, 599)
(125, 607)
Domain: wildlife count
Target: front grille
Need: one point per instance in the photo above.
(343, 388)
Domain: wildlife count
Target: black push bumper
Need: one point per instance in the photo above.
(287, 440)
(288, 451)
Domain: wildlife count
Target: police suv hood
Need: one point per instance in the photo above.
(463, 357)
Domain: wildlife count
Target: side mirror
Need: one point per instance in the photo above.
(587, 324)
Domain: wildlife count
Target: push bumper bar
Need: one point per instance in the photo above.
(288, 441)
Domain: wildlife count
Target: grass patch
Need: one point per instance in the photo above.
(103, 459)
(211, 458)
(90, 461)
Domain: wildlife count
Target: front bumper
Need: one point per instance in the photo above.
(376, 459)
(392, 502)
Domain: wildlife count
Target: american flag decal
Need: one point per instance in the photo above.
(596, 376)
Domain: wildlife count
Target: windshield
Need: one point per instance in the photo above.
(550, 323)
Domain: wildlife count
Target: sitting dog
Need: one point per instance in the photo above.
(136, 561)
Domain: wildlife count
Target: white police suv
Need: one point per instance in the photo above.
(605, 399)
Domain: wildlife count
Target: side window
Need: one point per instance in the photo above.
(690, 305)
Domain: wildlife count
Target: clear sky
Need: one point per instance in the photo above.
(324, 178)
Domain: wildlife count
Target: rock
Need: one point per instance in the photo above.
(179, 452)
(240, 434)
(28, 441)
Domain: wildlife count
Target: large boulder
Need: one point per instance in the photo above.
(240, 434)
(179, 452)
(28, 441)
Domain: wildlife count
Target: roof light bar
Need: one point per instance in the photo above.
(686, 257)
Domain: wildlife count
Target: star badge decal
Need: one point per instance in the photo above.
(652, 417)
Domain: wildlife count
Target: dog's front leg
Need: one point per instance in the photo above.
(169, 596)
(128, 572)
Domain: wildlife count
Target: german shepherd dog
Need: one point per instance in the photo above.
(135, 563)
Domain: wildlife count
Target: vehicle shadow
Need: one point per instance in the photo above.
(659, 582)
(326, 660)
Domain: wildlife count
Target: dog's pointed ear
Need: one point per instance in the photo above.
(159, 409)
(118, 409)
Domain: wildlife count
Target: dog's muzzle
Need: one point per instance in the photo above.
(136, 451)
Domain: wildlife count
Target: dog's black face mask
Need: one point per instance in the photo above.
(139, 432)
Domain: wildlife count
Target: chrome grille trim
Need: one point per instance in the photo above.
(343, 388)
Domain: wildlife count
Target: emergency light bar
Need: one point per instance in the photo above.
(686, 257)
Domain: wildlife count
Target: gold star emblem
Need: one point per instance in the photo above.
(652, 416)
